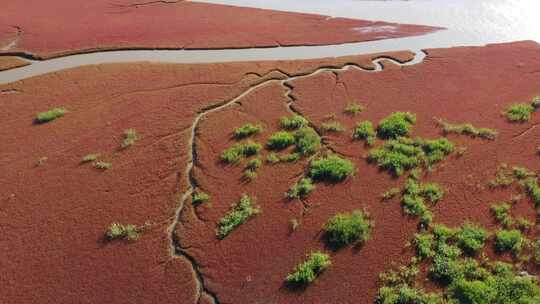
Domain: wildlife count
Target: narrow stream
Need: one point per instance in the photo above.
(468, 22)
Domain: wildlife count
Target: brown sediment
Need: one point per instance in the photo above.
(11, 62)
(93, 26)
(63, 207)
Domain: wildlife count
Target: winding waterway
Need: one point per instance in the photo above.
(468, 23)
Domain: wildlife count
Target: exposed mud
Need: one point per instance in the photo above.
(93, 26)
(10, 62)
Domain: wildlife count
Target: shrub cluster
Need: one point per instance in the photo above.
(240, 213)
(364, 131)
(330, 168)
(509, 240)
(398, 155)
(43, 117)
(293, 123)
(308, 271)
(247, 130)
(396, 125)
(348, 228)
(119, 231)
(280, 140)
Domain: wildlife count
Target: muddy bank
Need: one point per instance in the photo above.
(36, 31)
(10, 62)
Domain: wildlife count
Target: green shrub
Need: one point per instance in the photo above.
(272, 158)
(119, 231)
(536, 102)
(247, 130)
(523, 224)
(501, 212)
(471, 237)
(301, 189)
(533, 190)
(199, 198)
(307, 141)
(413, 205)
(522, 173)
(467, 129)
(254, 164)
(250, 175)
(308, 271)
(519, 112)
(348, 228)
(404, 294)
(280, 140)
(508, 240)
(332, 126)
(294, 122)
(503, 178)
(102, 165)
(443, 233)
(90, 158)
(536, 251)
(238, 151)
(43, 117)
(365, 131)
(473, 292)
(239, 214)
(433, 192)
(130, 137)
(331, 168)
(354, 109)
(423, 244)
(396, 125)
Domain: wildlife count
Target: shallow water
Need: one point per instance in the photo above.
(468, 23)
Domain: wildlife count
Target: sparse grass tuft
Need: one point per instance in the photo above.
(199, 198)
(293, 123)
(533, 190)
(308, 271)
(503, 178)
(239, 214)
(43, 117)
(390, 193)
(365, 131)
(102, 165)
(467, 129)
(520, 112)
(331, 168)
(247, 130)
(501, 212)
(128, 232)
(280, 140)
(348, 228)
(250, 175)
(290, 157)
(254, 164)
(90, 158)
(332, 126)
(238, 151)
(396, 125)
(130, 137)
(301, 189)
(354, 109)
(272, 158)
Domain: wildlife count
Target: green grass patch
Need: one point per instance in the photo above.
(354, 109)
(301, 189)
(399, 155)
(332, 126)
(238, 151)
(396, 125)
(240, 213)
(43, 117)
(307, 141)
(520, 112)
(348, 228)
(280, 140)
(471, 237)
(129, 232)
(90, 158)
(130, 137)
(467, 129)
(364, 131)
(199, 198)
(247, 130)
(308, 271)
(293, 123)
(272, 158)
(103, 165)
(331, 168)
(390, 194)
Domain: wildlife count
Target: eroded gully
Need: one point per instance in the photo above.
(275, 76)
